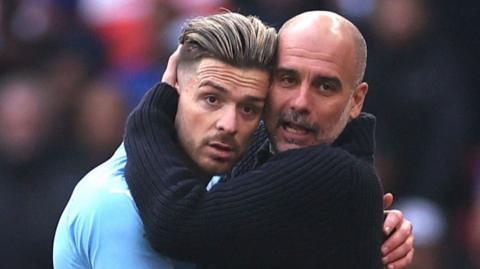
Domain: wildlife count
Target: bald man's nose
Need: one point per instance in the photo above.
(301, 100)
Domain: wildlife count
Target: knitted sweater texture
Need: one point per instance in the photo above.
(316, 207)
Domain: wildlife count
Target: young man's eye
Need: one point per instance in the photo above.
(250, 111)
(211, 100)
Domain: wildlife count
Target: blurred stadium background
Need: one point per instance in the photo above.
(71, 70)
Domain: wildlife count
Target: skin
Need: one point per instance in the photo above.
(313, 96)
(221, 105)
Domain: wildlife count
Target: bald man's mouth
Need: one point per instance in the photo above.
(297, 133)
(295, 128)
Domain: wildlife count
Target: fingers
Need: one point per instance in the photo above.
(387, 200)
(398, 249)
(393, 220)
(170, 74)
(401, 240)
(399, 235)
(401, 253)
(403, 262)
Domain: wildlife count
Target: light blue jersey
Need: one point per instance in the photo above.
(101, 228)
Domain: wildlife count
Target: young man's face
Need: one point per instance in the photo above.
(313, 93)
(218, 111)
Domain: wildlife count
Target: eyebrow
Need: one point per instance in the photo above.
(322, 79)
(248, 98)
(213, 85)
(317, 79)
(286, 71)
(254, 99)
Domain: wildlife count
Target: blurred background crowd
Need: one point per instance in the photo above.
(71, 70)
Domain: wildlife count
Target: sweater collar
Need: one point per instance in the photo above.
(358, 137)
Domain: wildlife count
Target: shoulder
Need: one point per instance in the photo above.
(318, 157)
(101, 228)
(366, 186)
(324, 167)
(99, 209)
(318, 168)
(102, 189)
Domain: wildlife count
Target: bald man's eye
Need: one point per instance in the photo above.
(328, 87)
(211, 100)
(287, 81)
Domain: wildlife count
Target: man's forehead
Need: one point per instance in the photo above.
(332, 56)
(315, 42)
(301, 61)
(292, 53)
(223, 73)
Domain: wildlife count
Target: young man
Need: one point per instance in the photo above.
(311, 205)
(227, 55)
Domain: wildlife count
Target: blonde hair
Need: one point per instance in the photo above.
(238, 40)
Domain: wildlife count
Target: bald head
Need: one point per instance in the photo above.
(319, 28)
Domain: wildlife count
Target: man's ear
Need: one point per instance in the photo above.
(358, 99)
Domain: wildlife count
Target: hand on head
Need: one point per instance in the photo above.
(170, 74)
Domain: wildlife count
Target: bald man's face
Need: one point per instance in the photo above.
(313, 93)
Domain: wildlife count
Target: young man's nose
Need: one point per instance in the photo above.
(228, 121)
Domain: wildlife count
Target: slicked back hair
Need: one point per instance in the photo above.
(235, 39)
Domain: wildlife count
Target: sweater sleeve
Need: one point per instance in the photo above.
(274, 208)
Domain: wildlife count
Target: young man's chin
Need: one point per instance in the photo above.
(217, 166)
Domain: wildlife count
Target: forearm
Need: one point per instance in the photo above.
(181, 218)
(265, 206)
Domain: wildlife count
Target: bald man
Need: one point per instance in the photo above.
(316, 202)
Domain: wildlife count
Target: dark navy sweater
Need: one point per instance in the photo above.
(316, 207)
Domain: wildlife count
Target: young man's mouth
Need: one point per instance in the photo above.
(221, 150)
